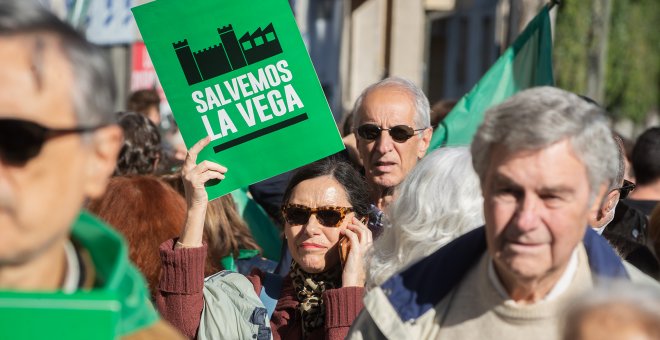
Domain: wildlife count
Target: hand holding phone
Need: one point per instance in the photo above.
(344, 249)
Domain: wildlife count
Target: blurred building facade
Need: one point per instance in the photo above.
(443, 46)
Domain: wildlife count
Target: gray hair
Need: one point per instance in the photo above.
(93, 93)
(617, 179)
(643, 301)
(438, 201)
(422, 108)
(537, 118)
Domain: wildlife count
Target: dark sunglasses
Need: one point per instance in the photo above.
(399, 133)
(328, 216)
(21, 140)
(627, 187)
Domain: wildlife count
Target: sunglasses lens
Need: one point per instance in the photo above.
(401, 133)
(19, 140)
(296, 216)
(369, 131)
(329, 218)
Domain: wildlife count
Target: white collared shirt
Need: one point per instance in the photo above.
(72, 275)
(560, 287)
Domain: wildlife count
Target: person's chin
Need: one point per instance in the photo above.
(312, 264)
(386, 179)
(522, 267)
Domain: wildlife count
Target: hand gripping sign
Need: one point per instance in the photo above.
(241, 75)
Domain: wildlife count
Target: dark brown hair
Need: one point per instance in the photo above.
(140, 100)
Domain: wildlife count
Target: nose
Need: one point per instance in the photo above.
(313, 227)
(384, 143)
(528, 214)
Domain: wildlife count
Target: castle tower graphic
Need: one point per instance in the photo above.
(229, 55)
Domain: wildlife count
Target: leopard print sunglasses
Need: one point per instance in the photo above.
(328, 216)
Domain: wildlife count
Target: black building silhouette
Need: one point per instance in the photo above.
(260, 45)
(234, 51)
(212, 61)
(187, 61)
(230, 54)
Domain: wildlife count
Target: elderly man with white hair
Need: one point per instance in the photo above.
(541, 157)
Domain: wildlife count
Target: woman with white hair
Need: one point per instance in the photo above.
(438, 201)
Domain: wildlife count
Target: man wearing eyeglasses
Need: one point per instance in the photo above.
(625, 227)
(391, 122)
(58, 147)
(618, 189)
(543, 158)
(646, 166)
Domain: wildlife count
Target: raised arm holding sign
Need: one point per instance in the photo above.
(241, 80)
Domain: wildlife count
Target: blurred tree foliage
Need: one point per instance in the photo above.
(633, 54)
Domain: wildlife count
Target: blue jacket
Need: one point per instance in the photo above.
(424, 284)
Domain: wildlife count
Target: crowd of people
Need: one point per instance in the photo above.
(546, 226)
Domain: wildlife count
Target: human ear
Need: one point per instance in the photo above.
(611, 201)
(102, 161)
(424, 142)
(599, 201)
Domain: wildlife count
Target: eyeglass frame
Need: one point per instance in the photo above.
(343, 211)
(43, 134)
(628, 186)
(380, 132)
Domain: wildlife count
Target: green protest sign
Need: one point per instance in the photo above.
(81, 315)
(239, 72)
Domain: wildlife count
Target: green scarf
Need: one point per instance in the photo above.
(115, 273)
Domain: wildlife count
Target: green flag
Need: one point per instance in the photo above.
(527, 63)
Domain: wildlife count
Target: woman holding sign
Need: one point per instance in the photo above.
(325, 207)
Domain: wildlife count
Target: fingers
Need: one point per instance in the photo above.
(354, 274)
(363, 233)
(198, 174)
(206, 166)
(191, 158)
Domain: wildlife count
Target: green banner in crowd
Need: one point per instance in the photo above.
(77, 316)
(239, 72)
(526, 63)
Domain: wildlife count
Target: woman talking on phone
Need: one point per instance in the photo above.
(324, 209)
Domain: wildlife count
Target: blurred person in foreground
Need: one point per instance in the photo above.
(542, 160)
(617, 312)
(438, 201)
(324, 203)
(58, 147)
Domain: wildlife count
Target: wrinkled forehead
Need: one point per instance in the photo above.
(35, 79)
(389, 104)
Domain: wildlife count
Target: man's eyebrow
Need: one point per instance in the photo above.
(560, 189)
(501, 179)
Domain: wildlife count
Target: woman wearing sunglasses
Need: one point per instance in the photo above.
(325, 207)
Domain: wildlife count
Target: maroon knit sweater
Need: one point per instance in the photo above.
(180, 298)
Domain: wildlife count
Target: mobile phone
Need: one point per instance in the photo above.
(344, 246)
